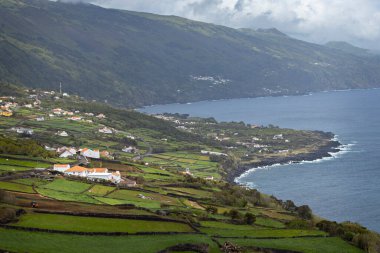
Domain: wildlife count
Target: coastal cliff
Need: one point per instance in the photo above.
(322, 151)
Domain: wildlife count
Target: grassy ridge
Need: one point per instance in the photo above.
(306, 245)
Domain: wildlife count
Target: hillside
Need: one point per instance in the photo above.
(159, 179)
(133, 59)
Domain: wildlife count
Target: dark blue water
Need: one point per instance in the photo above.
(343, 188)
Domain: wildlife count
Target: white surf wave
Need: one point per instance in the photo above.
(343, 149)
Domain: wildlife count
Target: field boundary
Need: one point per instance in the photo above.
(30, 229)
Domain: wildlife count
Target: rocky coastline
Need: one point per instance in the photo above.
(323, 151)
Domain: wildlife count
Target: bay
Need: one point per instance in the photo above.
(346, 187)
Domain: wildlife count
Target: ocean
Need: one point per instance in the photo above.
(344, 187)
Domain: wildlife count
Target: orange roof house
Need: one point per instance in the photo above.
(98, 170)
(61, 167)
(77, 171)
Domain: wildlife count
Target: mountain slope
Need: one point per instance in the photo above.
(133, 59)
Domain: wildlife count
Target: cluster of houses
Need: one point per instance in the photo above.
(94, 174)
(6, 106)
(207, 152)
(69, 152)
(22, 130)
(73, 115)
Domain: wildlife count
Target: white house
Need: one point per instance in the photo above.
(131, 137)
(116, 177)
(67, 153)
(75, 118)
(98, 173)
(49, 148)
(105, 130)
(206, 152)
(40, 119)
(61, 167)
(63, 134)
(129, 149)
(278, 137)
(102, 173)
(90, 153)
(101, 116)
(77, 171)
(57, 111)
(22, 130)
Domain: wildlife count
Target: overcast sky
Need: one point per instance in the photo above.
(354, 21)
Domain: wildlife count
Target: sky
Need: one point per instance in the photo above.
(318, 21)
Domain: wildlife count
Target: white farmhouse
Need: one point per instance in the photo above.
(77, 171)
(105, 130)
(207, 152)
(129, 149)
(67, 153)
(61, 167)
(62, 133)
(278, 137)
(90, 153)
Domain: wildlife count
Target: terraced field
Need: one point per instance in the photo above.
(16, 187)
(96, 244)
(92, 224)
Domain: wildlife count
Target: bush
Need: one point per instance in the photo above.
(211, 210)
(299, 224)
(304, 212)
(7, 215)
(6, 197)
(249, 218)
(234, 214)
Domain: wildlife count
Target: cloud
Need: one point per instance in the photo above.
(318, 21)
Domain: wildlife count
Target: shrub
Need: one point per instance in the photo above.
(212, 210)
(249, 218)
(299, 224)
(304, 212)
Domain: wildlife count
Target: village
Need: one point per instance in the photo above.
(81, 167)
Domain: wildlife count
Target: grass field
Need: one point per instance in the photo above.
(131, 195)
(92, 224)
(67, 186)
(16, 187)
(262, 232)
(145, 204)
(269, 222)
(36, 242)
(23, 163)
(100, 190)
(306, 245)
(12, 168)
(193, 192)
(30, 181)
(67, 196)
(222, 225)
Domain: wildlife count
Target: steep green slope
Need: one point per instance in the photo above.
(133, 59)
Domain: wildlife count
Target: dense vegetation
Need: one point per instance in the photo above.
(134, 59)
(25, 147)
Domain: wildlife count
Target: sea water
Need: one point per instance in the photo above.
(345, 187)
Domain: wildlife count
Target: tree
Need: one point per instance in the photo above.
(304, 212)
(249, 218)
(234, 214)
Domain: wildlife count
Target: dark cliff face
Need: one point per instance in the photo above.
(134, 59)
